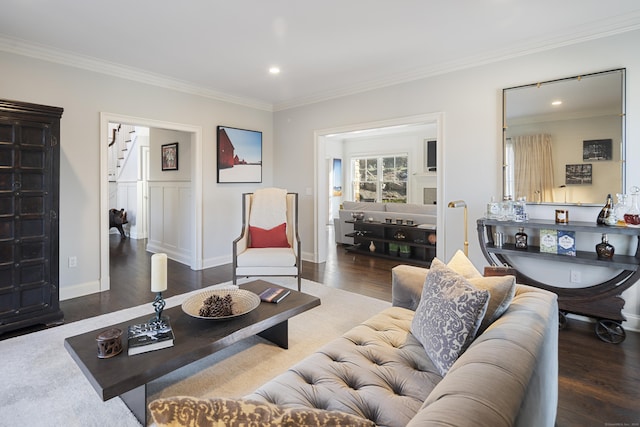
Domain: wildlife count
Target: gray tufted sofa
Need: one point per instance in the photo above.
(379, 371)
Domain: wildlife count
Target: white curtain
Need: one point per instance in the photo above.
(533, 167)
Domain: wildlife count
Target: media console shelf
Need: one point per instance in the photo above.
(602, 301)
(414, 239)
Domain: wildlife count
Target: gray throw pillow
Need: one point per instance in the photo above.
(448, 315)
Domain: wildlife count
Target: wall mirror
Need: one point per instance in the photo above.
(564, 140)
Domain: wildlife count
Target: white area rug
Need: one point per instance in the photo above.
(42, 385)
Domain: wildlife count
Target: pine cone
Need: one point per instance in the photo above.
(216, 306)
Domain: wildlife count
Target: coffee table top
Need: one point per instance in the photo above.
(194, 339)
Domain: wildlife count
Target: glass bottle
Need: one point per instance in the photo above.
(632, 217)
(520, 210)
(604, 249)
(606, 211)
(521, 239)
(620, 208)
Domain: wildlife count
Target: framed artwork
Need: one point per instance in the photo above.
(239, 155)
(169, 154)
(597, 149)
(579, 174)
(337, 177)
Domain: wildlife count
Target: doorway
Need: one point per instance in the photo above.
(195, 209)
(321, 201)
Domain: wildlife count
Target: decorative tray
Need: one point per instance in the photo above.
(242, 302)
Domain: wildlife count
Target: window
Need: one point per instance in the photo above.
(380, 179)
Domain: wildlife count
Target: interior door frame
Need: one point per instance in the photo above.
(196, 186)
(321, 183)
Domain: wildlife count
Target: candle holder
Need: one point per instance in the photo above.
(158, 305)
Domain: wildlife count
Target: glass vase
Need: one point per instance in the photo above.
(632, 216)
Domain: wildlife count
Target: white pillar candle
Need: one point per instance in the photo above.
(158, 272)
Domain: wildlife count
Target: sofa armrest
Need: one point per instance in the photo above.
(508, 376)
(406, 285)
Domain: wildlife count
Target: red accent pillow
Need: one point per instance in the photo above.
(273, 238)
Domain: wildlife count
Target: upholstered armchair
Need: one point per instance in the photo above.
(269, 244)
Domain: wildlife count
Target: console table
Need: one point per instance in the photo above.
(418, 241)
(602, 301)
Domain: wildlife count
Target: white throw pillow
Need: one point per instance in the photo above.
(448, 315)
(463, 266)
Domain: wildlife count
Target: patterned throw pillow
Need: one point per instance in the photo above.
(448, 315)
(184, 411)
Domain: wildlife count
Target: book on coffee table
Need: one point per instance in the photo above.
(143, 337)
(274, 295)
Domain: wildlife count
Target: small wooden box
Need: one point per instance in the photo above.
(495, 270)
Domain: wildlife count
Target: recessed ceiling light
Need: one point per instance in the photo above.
(274, 70)
(556, 102)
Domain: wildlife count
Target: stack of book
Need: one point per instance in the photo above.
(143, 337)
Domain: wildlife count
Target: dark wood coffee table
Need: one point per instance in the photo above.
(127, 376)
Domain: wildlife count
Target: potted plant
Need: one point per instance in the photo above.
(405, 251)
(393, 249)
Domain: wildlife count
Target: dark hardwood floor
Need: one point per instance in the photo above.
(599, 383)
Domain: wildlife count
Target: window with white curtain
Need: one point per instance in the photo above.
(532, 172)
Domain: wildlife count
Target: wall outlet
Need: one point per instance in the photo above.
(575, 276)
(73, 262)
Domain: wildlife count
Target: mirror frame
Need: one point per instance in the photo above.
(623, 141)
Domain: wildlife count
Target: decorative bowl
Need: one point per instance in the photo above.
(243, 302)
(357, 216)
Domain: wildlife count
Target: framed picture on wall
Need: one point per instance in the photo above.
(169, 154)
(337, 177)
(581, 173)
(597, 149)
(239, 155)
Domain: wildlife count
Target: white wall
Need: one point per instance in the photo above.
(84, 95)
(471, 146)
(160, 137)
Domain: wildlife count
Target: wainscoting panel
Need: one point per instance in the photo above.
(170, 220)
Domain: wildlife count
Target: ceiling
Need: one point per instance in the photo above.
(224, 48)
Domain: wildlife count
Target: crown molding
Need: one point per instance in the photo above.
(605, 28)
(46, 53)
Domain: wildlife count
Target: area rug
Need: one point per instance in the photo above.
(42, 385)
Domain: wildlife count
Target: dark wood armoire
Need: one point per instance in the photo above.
(29, 206)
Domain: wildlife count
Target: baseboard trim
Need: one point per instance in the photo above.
(79, 290)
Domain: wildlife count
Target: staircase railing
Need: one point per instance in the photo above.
(121, 140)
